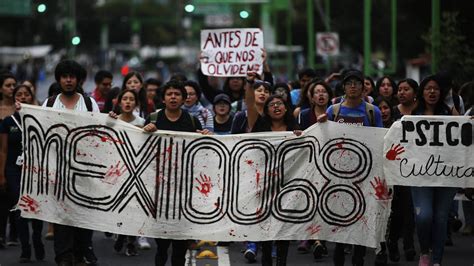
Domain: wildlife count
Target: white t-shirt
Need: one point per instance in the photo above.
(138, 121)
(80, 105)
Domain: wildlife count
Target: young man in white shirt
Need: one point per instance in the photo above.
(72, 245)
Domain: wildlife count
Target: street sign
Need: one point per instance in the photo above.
(327, 43)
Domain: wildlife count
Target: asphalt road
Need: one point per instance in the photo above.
(462, 253)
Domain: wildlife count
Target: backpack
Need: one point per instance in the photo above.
(154, 117)
(369, 111)
(87, 100)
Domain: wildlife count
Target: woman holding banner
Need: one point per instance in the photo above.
(11, 160)
(402, 220)
(432, 204)
(276, 117)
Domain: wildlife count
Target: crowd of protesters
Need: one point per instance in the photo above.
(243, 105)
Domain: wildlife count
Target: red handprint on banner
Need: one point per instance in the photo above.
(381, 189)
(394, 152)
(28, 204)
(204, 184)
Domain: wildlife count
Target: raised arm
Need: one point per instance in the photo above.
(252, 113)
(267, 73)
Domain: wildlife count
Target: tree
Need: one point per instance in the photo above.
(456, 57)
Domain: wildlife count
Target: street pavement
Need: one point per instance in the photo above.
(461, 254)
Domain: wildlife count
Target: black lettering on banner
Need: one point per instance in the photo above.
(421, 141)
(261, 212)
(466, 134)
(435, 135)
(295, 185)
(449, 134)
(407, 126)
(196, 151)
(334, 171)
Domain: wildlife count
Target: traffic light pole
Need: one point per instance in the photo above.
(311, 40)
(367, 37)
(435, 35)
(71, 27)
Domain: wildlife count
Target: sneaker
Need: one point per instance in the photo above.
(12, 243)
(89, 256)
(303, 247)
(424, 260)
(143, 243)
(319, 250)
(467, 230)
(49, 236)
(131, 250)
(381, 259)
(25, 256)
(251, 252)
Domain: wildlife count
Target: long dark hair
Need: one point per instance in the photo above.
(379, 83)
(142, 100)
(3, 77)
(381, 100)
(228, 91)
(122, 93)
(440, 108)
(288, 119)
(303, 100)
(467, 93)
(328, 89)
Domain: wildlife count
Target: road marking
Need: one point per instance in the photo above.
(223, 254)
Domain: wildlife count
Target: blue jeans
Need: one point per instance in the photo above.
(432, 206)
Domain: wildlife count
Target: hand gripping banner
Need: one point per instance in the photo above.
(89, 170)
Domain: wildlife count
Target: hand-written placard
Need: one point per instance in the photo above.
(231, 52)
(430, 151)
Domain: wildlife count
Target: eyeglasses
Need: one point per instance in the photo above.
(356, 83)
(275, 104)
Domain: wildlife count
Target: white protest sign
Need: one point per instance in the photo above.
(231, 52)
(430, 151)
(89, 170)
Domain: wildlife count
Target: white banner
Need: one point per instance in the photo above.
(231, 52)
(430, 151)
(91, 171)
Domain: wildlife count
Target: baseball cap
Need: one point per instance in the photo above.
(222, 97)
(353, 74)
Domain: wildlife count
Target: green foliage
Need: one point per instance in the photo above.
(455, 55)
